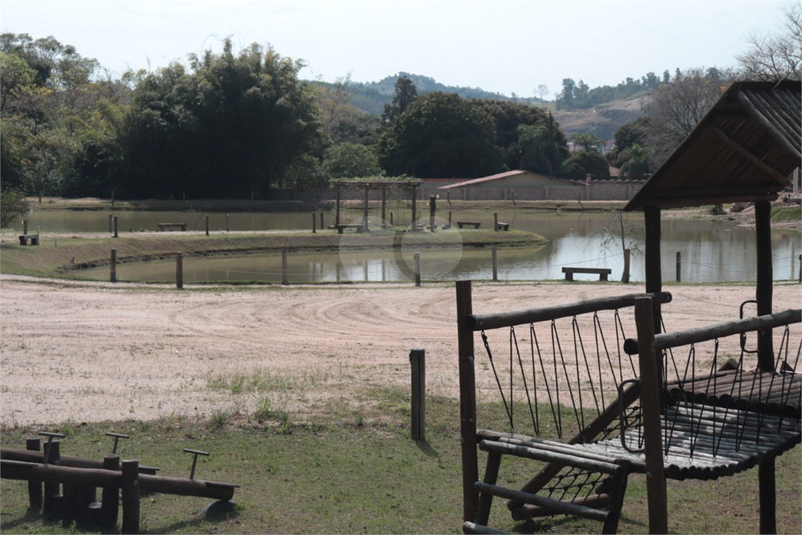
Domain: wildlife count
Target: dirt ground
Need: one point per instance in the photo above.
(77, 351)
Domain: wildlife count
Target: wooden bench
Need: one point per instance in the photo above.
(165, 226)
(601, 272)
(359, 227)
(475, 224)
(23, 239)
(502, 226)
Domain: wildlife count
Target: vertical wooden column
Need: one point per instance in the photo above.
(110, 497)
(34, 487)
(765, 354)
(115, 227)
(679, 266)
(417, 358)
(130, 496)
(113, 266)
(179, 271)
(417, 269)
(384, 205)
(414, 208)
(206, 220)
(337, 204)
(650, 401)
(494, 254)
(52, 488)
(367, 201)
(284, 270)
(467, 396)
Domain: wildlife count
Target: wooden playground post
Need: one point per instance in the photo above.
(34, 487)
(52, 454)
(110, 497)
(650, 402)
(113, 266)
(470, 462)
(418, 359)
(417, 269)
(130, 496)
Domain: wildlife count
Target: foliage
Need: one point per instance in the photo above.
(776, 57)
(440, 136)
(579, 96)
(583, 163)
(340, 120)
(232, 127)
(635, 162)
(13, 205)
(405, 94)
(348, 160)
(678, 106)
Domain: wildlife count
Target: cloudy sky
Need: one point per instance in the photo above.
(504, 46)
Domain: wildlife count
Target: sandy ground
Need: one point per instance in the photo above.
(77, 351)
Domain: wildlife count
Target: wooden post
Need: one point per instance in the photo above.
(418, 359)
(800, 268)
(495, 263)
(414, 211)
(130, 496)
(321, 221)
(52, 488)
(113, 266)
(495, 221)
(337, 210)
(679, 266)
(392, 224)
(179, 271)
(365, 216)
(650, 401)
(417, 269)
(467, 397)
(765, 354)
(115, 227)
(432, 211)
(206, 219)
(110, 497)
(34, 487)
(384, 204)
(625, 276)
(284, 274)
(25, 226)
(314, 223)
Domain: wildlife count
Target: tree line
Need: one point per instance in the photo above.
(243, 125)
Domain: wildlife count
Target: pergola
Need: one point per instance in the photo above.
(744, 150)
(412, 185)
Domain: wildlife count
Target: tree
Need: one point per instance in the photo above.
(677, 107)
(587, 141)
(405, 94)
(776, 57)
(232, 126)
(635, 162)
(583, 163)
(541, 148)
(13, 205)
(348, 160)
(440, 136)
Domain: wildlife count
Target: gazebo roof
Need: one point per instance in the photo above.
(744, 149)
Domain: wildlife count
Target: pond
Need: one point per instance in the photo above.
(709, 250)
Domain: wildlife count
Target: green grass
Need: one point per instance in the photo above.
(786, 213)
(361, 473)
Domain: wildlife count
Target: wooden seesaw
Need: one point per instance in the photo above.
(70, 483)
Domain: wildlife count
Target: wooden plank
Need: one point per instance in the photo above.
(536, 453)
(467, 387)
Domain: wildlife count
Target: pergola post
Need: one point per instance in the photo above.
(337, 212)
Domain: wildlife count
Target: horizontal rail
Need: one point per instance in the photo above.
(477, 322)
(718, 330)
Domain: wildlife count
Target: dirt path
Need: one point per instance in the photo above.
(95, 351)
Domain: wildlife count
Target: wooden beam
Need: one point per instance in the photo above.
(754, 160)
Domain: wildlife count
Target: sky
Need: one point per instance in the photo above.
(502, 46)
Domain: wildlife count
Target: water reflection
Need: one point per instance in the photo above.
(710, 251)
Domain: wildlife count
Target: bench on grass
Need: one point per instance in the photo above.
(23, 239)
(359, 227)
(502, 226)
(475, 224)
(601, 272)
(165, 226)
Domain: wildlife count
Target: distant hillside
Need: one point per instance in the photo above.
(603, 120)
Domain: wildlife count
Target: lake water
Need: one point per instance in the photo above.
(711, 251)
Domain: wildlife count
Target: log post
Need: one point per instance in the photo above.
(679, 266)
(115, 227)
(495, 221)
(494, 254)
(418, 359)
(25, 226)
(314, 223)
(113, 266)
(284, 270)
(130, 496)
(52, 488)
(417, 269)
(179, 271)
(414, 209)
(467, 387)
(650, 401)
(625, 276)
(34, 487)
(206, 220)
(110, 499)
(321, 221)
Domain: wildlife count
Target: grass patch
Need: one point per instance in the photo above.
(362, 475)
(786, 213)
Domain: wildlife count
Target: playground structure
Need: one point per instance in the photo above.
(66, 487)
(702, 403)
